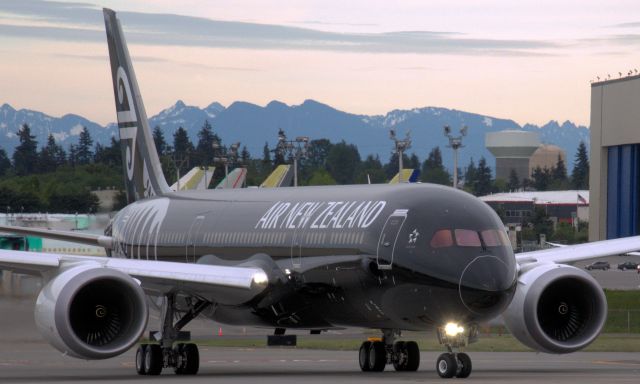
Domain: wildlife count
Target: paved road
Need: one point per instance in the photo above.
(38, 363)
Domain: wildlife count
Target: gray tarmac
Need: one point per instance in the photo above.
(38, 363)
(26, 358)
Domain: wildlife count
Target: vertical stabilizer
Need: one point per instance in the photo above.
(142, 170)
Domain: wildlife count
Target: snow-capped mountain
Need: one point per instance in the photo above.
(253, 125)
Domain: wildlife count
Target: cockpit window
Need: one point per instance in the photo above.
(491, 238)
(467, 238)
(495, 238)
(441, 239)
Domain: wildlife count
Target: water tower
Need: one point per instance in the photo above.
(512, 150)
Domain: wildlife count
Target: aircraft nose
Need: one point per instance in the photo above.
(487, 285)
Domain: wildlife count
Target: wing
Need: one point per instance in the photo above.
(586, 251)
(82, 238)
(223, 284)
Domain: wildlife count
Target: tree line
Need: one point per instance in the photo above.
(50, 178)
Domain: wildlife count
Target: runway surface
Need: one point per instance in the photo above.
(38, 363)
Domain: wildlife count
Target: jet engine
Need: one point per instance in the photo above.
(91, 312)
(556, 309)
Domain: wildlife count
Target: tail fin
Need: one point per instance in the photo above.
(143, 172)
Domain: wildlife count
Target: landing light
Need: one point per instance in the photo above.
(260, 278)
(453, 329)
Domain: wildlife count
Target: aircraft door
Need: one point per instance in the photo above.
(389, 238)
(195, 232)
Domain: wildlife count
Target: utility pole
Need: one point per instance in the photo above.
(399, 147)
(178, 162)
(225, 157)
(455, 142)
(294, 150)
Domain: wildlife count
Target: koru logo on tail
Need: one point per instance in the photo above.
(127, 119)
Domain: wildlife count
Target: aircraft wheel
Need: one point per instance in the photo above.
(399, 356)
(153, 359)
(465, 361)
(140, 355)
(446, 365)
(413, 356)
(188, 359)
(377, 356)
(363, 356)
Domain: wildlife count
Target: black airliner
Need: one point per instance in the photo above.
(391, 257)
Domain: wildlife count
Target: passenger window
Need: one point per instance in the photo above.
(467, 238)
(441, 239)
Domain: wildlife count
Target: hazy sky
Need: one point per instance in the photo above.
(531, 61)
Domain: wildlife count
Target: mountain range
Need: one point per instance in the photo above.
(253, 125)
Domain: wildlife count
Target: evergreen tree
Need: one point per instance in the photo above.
(580, 173)
(541, 178)
(265, 166)
(245, 156)
(470, 176)
(47, 158)
(182, 149)
(483, 183)
(392, 167)
(514, 182)
(204, 148)
(321, 177)
(343, 161)
(5, 163)
(25, 156)
(84, 153)
(413, 163)
(159, 141)
(433, 170)
(371, 170)
(559, 172)
(73, 155)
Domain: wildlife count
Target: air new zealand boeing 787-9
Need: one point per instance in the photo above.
(401, 257)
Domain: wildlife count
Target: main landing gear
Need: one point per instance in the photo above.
(184, 358)
(452, 363)
(375, 355)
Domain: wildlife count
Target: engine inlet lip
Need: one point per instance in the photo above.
(587, 335)
(66, 297)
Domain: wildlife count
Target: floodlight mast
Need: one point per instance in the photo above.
(294, 150)
(455, 142)
(225, 157)
(399, 147)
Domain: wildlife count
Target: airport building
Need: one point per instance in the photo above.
(615, 159)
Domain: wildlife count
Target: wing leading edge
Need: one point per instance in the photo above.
(223, 284)
(81, 238)
(578, 252)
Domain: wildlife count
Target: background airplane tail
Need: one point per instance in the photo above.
(142, 169)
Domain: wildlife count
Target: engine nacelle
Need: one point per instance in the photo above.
(556, 309)
(91, 312)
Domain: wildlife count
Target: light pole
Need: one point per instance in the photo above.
(399, 147)
(178, 162)
(294, 150)
(229, 156)
(455, 142)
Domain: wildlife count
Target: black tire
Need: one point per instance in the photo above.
(377, 356)
(363, 356)
(177, 351)
(465, 366)
(191, 359)
(399, 356)
(140, 355)
(413, 356)
(446, 365)
(153, 359)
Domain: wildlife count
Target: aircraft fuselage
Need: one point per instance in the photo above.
(379, 256)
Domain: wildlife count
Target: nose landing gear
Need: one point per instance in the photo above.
(375, 355)
(455, 363)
